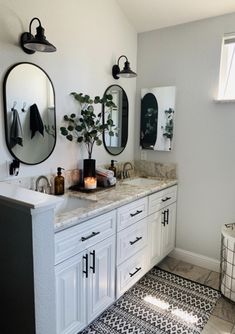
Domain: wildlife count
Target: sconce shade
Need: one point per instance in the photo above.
(125, 73)
(30, 44)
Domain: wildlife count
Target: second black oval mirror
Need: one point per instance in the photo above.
(117, 143)
(29, 108)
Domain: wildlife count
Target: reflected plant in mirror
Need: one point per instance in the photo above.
(87, 127)
(116, 142)
(29, 113)
(157, 118)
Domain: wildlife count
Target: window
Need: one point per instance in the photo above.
(227, 69)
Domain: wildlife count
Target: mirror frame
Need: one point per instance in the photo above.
(5, 112)
(103, 112)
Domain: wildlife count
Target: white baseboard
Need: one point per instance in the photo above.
(196, 259)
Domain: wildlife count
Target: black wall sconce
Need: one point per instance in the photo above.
(126, 72)
(30, 44)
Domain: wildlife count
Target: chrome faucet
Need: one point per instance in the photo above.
(43, 189)
(126, 170)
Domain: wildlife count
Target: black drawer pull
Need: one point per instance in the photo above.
(167, 216)
(165, 199)
(137, 269)
(93, 234)
(86, 265)
(164, 218)
(136, 240)
(136, 213)
(93, 264)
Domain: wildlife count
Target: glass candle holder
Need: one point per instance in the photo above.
(89, 174)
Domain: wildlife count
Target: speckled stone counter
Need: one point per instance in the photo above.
(107, 200)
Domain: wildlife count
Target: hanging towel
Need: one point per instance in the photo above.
(35, 121)
(16, 133)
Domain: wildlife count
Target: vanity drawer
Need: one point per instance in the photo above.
(131, 240)
(77, 238)
(161, 199)
(131, 271)
(131, 213)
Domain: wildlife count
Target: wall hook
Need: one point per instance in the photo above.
(23, 108)
(14, 167)
(14, 105)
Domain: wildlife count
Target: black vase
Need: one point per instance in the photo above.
(89, 173)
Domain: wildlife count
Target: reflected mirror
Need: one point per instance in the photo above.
(29, 110)
(157, 118)
(119, 114)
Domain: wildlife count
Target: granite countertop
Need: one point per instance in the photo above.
(106, 200)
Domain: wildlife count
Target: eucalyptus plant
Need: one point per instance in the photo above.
(88, 127)
(168, 131)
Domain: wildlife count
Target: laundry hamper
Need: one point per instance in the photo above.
(227, 265)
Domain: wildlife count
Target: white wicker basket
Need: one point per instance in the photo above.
(227, 279)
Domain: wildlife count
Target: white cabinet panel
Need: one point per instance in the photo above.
(168, 230)
(77, 238)
(131, 213)
(155, 228)
(160, 199)
(131, 240)
(161, 233)
(129, 272)
(70, 295)
(101, 292)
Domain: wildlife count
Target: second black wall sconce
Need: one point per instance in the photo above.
(126, 72)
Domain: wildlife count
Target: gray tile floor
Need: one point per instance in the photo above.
(222, 320)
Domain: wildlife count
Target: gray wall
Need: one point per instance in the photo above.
(188, 56)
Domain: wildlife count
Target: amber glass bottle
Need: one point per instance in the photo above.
(112, 167)
(59, 182)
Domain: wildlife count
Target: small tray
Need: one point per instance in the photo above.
(77, 187)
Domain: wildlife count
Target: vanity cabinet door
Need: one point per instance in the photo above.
(154, 231)
(168, 229)
(70, 295)
(101, 292)
(161, 233)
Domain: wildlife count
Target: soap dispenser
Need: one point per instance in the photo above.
(59, 182)
(112, 167)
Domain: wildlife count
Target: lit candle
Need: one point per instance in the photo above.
(89, 182)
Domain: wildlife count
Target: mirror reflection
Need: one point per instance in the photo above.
(29, 108)
(157, 118)
(117, 143)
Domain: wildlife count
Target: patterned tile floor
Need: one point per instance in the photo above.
(222, 320)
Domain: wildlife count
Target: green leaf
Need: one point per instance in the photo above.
(63, 131)
(70, 128)
(79, 139)
(109, 96)
(72, 115)
(69, 137)
(66, 118)
(98, 142)
(111, 133)
(78, 128)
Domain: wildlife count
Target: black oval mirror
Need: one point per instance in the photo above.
(116, 143)
(29, 110)
(149, 118)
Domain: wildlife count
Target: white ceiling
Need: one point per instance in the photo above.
(148, 15)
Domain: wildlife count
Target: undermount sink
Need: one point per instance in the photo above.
(70, 203)
(141, 182)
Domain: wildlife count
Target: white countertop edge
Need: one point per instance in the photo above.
(25, 197)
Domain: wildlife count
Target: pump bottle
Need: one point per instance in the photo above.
(59, 182)
(113, 168)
